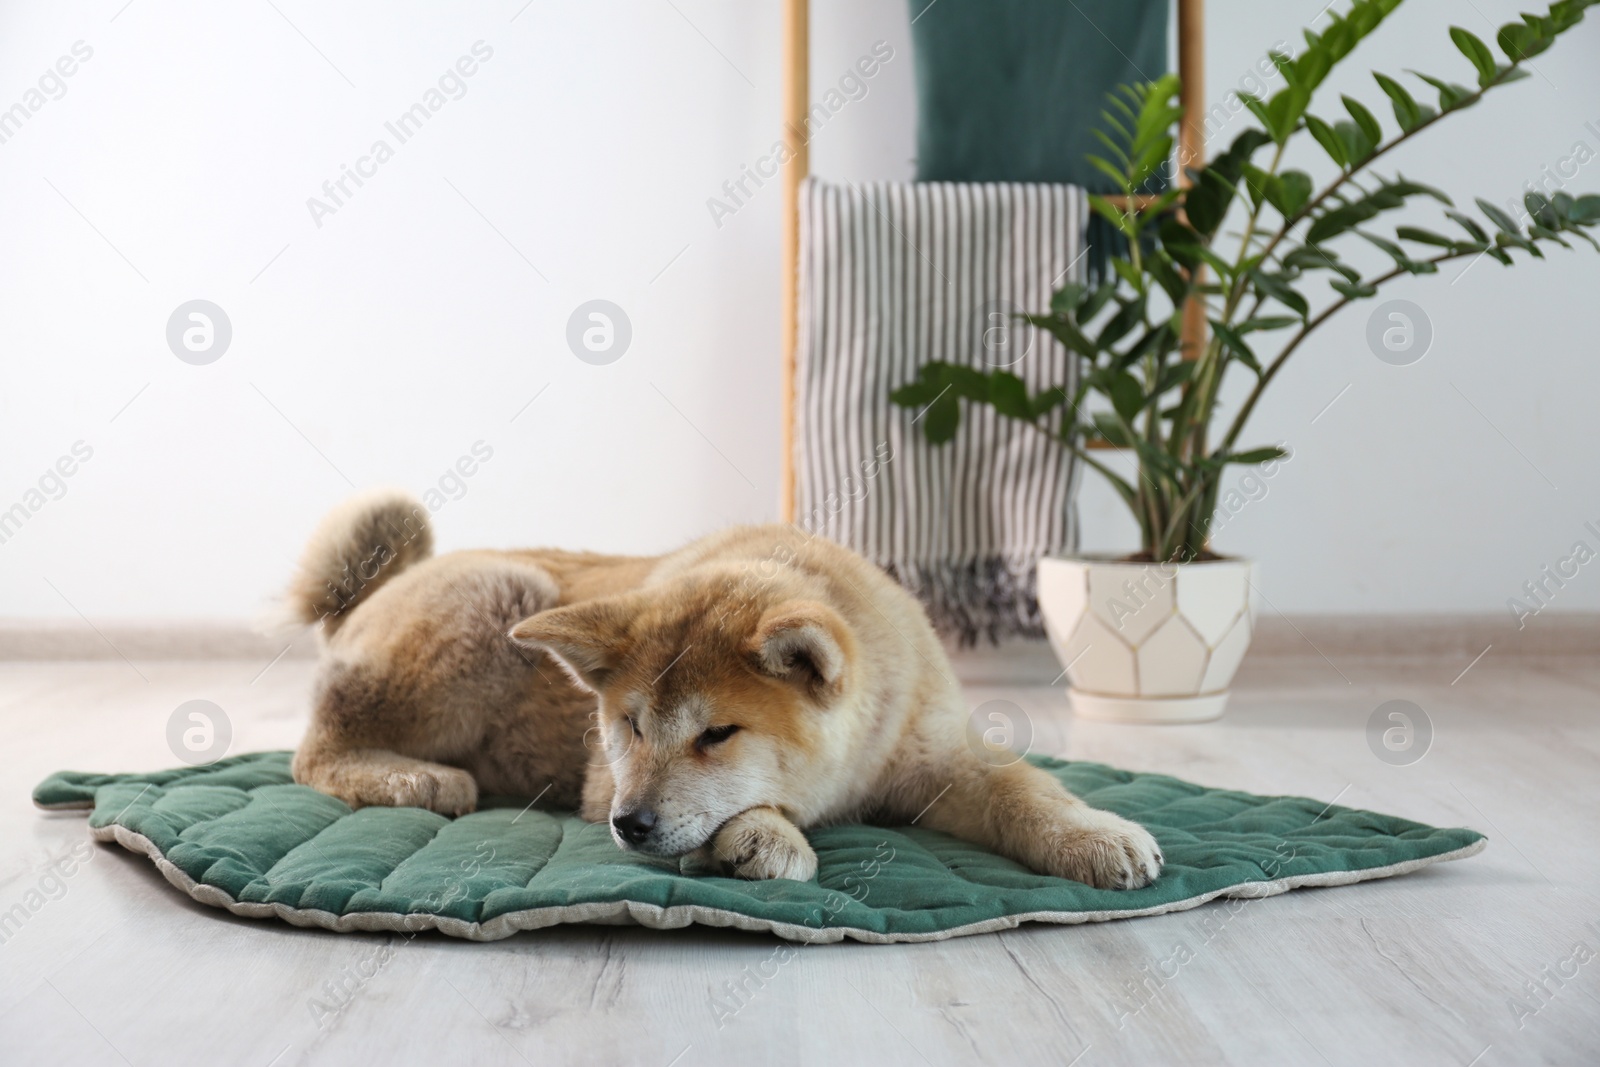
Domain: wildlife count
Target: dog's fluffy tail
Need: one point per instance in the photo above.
(359, 546)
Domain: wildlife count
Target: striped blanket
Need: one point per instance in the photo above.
(893, 275)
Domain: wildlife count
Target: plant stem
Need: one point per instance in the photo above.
(1210, 374)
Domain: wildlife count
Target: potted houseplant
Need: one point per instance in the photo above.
(1157, 635)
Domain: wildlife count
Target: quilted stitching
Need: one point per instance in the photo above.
(243, 827)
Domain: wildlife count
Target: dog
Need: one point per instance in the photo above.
(717, 700)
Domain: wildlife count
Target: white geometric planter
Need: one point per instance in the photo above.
(1147, 642)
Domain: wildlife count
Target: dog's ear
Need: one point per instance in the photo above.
(806, 644)
(588, 640)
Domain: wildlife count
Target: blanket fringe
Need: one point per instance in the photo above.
(994, 597)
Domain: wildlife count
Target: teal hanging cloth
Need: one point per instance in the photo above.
(1011, 90)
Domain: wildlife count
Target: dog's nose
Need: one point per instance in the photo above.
(634, 826)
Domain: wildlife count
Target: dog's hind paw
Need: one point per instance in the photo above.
(760, 843)
(446, 790)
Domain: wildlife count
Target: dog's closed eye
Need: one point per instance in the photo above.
(714, 735)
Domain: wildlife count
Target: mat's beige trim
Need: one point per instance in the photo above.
(628, 912)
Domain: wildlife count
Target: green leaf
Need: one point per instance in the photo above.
(1126, 395)
(1356, 144)
(1278, 288)
(1470, 224)
(1515, 39)
(1354, 290)
(1257, 455)
(1292, 190)
(1505, 222)
(1047, 401)
(1398, 254)
(1156, 340)
(1118, 177)
(1129, 273)
(1111, 120)
(1173, 376)
(1545, 233)
(1404, 187)
(1316, 257)
(1121, 219)
(1541, 210)
(1386, 197)
(1180, 242)
(1267, 322)
(1364, 119)
(1115, 149)
(1123, 109)
(1508, 239)
(1159, 266)
(1476, 51)
(1312, 66)
(1236, 344)
(1424, 237)
(914, 395)
(932, 382)
(1118, 326)
(1067, 298)
(1258, 108)
(1107, 426)
(1217, 263)
(1066, 331)
(942, 419)
(1097, 301)
(1406, 110)
(1329, 140)
(1117, 481)
(1282, 112)
(1230, 163)
(1450, 94)
(1585, 209)
(1009, 396)
(1152, 458)
(1256, 182)
(1285, 65)
(1338, 220)
(967, 382)
(1206, 202)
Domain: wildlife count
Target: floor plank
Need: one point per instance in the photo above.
(1464, 963)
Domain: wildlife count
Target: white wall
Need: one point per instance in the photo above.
(382, 345)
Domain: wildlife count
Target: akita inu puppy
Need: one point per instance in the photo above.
(721, 698)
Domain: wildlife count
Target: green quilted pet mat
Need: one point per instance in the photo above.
(240, 835)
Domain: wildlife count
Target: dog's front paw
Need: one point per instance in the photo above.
(1106, 851)
(446, 790)
(760, 844)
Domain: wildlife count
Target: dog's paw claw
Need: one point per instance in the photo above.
(759, 849)
(1107, 851)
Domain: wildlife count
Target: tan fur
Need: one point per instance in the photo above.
(359, 545)
(591, 681)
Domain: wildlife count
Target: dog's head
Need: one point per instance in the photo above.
(715, 698)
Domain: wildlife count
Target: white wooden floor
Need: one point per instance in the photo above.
(117, 967)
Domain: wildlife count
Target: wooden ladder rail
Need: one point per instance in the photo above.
(796, 101)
